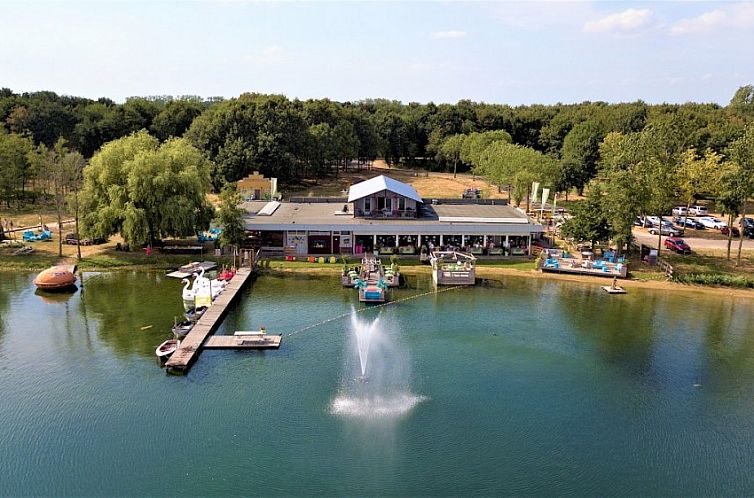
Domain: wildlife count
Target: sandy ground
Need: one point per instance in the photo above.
(427, 184)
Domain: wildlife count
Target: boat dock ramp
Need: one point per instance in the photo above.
(200, 337)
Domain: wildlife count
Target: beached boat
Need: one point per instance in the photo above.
(167, 348)
(57, 278)
(453, 268)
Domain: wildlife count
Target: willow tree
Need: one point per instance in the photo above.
(145, 191)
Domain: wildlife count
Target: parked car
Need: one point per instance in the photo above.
(472, 193)
(688, 223)
(747, 227)
(725, 230)
(680, 211)
(698, 210)
(678, 245)
(668, 230)
(639, 221)
(712, 222)
(653, 220)
(72, 240)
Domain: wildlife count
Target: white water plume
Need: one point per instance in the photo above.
(377, 374)
(363, 332)
(377, 406)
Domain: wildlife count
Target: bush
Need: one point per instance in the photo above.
(721, 279)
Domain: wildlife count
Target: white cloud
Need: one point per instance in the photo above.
(449, 34)
(624, 22)
(738, 16)
(705, 22)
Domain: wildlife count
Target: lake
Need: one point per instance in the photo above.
(519, 387)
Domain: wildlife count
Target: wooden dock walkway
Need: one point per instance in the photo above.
(190, 347)
(234, 342)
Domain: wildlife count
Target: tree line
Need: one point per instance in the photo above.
(564, 146)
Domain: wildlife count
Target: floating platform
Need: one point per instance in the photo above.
(453, 268)
(266, 341)
(186, 271)
(613, 290)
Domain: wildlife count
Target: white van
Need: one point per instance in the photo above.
(699, 210)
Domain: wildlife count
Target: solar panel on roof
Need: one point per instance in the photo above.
(269, 208)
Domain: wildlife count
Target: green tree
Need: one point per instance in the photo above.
(450, 150)
(15, 165)
(580, 155)
(589, 221)
(145, 190)
(175, 118)
(503, 163)
(742, 102)
(230, 217)
(742, 153)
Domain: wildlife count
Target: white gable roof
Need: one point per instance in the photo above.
(380, 183)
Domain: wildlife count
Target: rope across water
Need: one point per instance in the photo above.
(401, 300)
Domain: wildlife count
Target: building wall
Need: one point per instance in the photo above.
(256, 186)
(392, 203)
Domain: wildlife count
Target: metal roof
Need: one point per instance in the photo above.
(449, 219)
(380, 183)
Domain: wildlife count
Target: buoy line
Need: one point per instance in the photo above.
(344, 315)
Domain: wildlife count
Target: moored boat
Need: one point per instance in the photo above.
(167, 348)
(181, 329)
(453, 268)
(195, 314)
(57, 278)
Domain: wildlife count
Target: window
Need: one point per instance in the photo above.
(367, 204)
(402, 203)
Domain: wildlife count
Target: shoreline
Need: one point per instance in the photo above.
(482, 271)
(487, 272)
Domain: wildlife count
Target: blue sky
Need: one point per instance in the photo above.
(501, 52)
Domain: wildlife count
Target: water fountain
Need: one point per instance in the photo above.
(378, 386)
(363, 333)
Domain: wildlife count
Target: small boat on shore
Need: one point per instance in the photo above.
(57, 278)
(167, 348)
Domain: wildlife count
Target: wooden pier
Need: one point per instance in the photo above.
(191, 346)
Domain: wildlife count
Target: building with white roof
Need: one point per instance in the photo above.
(388, 216)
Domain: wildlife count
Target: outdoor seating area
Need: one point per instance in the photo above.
(608, 265)
(30, 236)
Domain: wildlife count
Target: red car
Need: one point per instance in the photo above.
(725, 230)
(677, 245)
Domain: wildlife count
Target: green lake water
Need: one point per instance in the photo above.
(519, 387)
